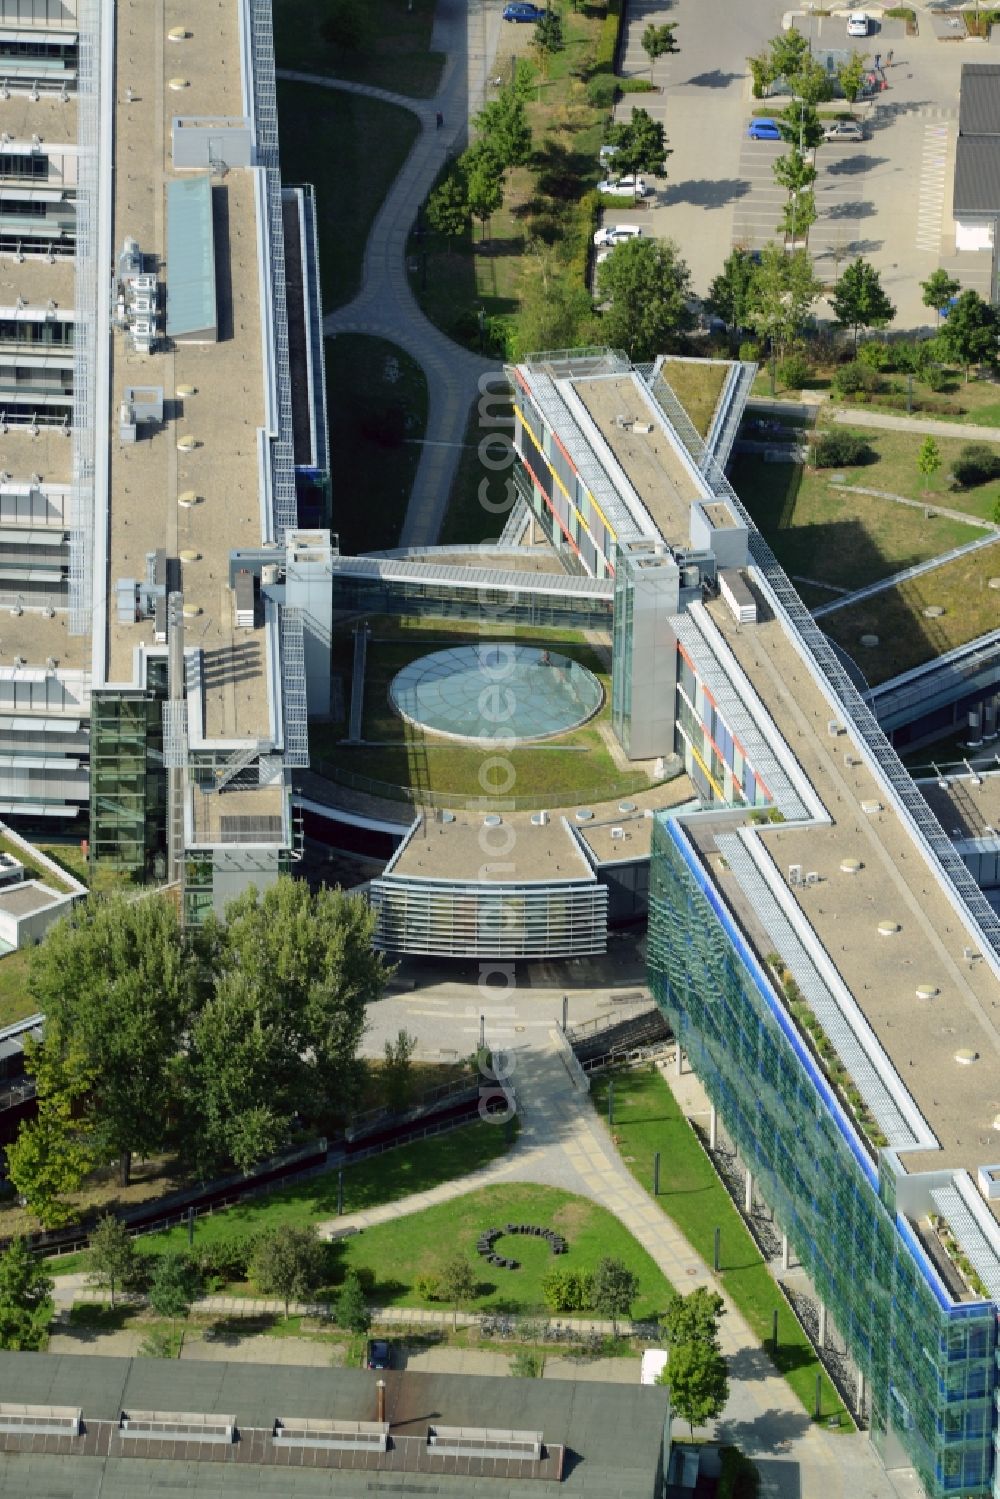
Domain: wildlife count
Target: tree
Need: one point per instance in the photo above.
(118, 982)
(694, 1318)
(448, 204)
(25, 1307)
(548, 38)
(112, 1256)
(352, 1309)
(812, 83)
(659, 41)
(938, 290)
(397, 1071)
(52, 1155)
(696, 1377)
(289, 1262)
(729, 293)
(503, 125)
(858, 300)
(928, 459)
(641, 145)
(851, 76)
(556, 311)
(798, 216)
(784, 290)
(793, 172)
(649, 286)
(173, 1287)
(800, 125)
(458, 1282)
(614, 1290)
(345, 25)
(969, 333)
(789, 51)
(484, 176)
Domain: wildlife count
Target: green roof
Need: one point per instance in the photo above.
(191, 303)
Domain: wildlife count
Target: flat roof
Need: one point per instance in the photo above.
(27, 898)
(459, 850)
(979, 99)
(49, 117)
(148, 477)
(613, 1434)
(191, 301)
(965, 806)
(35, 281)
(977, 175)
(895, 884)
(636, 827)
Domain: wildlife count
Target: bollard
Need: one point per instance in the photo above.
(656, 1174)
(718, 1250)
(565, 1021)
(340, 1192)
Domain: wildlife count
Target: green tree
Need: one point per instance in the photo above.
(503, 125)
(113, 1260)
(448, 204)
(345, 27)
(729, 293)
(928, 459)
(52, 1154)
(118, 983)
(641, 143)
(614, 1290)
(659, 41)
(858, 300)
(548, 38)
(784, 290)
(798, 216)
(484, 176)
(694, 1318)
(352, 1309)
(761, 72)
(789, 51)
(173, 1287)
(458, 1282)
(556, 311)
(289, 1262)
(793, 172)
(397, 1071)
(25, 1307)
(938, 290)
(800, 125)
(696, 1377)
(970, 331)
(812, 83)
(851, 76)
(649, 286)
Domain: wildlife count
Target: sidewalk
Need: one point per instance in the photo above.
(925, 426)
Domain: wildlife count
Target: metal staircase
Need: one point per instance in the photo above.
(226, 773)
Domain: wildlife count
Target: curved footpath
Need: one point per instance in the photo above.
(385, 307)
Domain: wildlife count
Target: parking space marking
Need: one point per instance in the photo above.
(933, 173)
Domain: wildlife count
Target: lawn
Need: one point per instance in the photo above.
(467, 519)
(32, 871)
(70, 856)
(565, 769)
(377, 410)
(697, 384)
(907, 637)
(351, 149)
(383, 1178)
(394, 52)
(896, 472)
(15, 1003)
(818, 531)
(648, 1119)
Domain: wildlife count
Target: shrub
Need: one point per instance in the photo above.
(977, 463)
(427, 1287)
(226, 1259)
(875, 355)
(937, 379)
(525, 1365)
(750, 351)
(841, 449)
(794, 371)
(636, 86)
(912, 356)
(568, 1290)
(602, 90)
(854, 377)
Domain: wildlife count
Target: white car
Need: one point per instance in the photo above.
(616, 234)
(857, 23)
(843, 130)
(624, 187)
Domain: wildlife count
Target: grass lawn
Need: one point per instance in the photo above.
(563, 769)
(383, 1178)
(394, 51)
(467, 519)
(71, 857)
(351, 149)
(15, 1003)
(896, 472)
(33, 871)
(907, 638)
(647, 1119)
(697, 384)
(818, 531)
(376, 407)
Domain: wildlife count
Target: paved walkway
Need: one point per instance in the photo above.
(930, 503)
(385, 307)
(926, 426)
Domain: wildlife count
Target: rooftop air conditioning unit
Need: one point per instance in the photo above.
(618, 832)
(20, 661)
(812, 878)
(795, 874)
(644, 427)
(833, 728)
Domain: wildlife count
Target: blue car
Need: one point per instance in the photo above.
(764, 130)
(520, 12)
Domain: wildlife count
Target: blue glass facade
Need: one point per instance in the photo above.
(930, 1364)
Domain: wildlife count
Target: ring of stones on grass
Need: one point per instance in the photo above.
(488, 1238)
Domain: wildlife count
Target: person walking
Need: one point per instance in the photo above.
(888, 58)
(878, 62)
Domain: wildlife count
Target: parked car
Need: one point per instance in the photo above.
(843, 130)
(616, 234)
(857, 23)
(764, 130)
(522, 12)
(625, 187)
(378, 1354)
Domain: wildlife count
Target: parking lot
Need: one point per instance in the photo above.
(888, 199)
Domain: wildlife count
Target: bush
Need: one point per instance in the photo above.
(977, 463)
(912, 356)
(602, 90)
(750, 351)
(937, 379)
(875, 355)
(568, 1290)
(841, 449)
(738, 1477)
(794, 371)
(853, 378)
(428, 1287)
(226, 1259)
(637, 86)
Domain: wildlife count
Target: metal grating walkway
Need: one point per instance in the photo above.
(815, 991)
(737, 717)
(293, 676)
(977, 1248)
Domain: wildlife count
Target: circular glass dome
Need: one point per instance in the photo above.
(496, 691)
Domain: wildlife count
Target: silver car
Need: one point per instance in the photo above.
(843, 130)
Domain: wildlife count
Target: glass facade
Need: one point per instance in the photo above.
(128, 784)
(414, 600)
(930, 1364)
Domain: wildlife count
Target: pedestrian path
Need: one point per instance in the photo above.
(852, 417)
